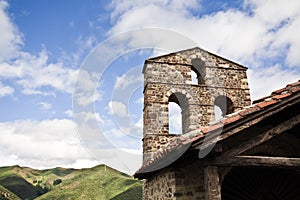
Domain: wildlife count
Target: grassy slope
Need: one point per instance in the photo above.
(12, 195)
(98, 183)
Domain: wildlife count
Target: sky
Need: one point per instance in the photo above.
(70, 71)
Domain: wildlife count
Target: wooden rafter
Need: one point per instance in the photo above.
(256, 161)
(267, 135)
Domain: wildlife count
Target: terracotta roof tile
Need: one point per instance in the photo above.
(231, 119)
(279, 91)
(281, 96)
(295, 89)
(266, 103)
(213, 127)
(249, 110)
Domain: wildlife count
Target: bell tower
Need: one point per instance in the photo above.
(219, 83)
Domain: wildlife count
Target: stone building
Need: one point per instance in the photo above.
(252, 152)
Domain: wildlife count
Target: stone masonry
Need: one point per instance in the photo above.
(181, 183)
(168, 79)
(257, 148)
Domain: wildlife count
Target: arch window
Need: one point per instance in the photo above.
(175, 118)
(194, 78)
(177, 113)
(222, 106)
(198, 71)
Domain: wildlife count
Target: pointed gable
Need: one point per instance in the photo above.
(185, 57)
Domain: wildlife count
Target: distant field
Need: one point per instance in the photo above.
(100, 182)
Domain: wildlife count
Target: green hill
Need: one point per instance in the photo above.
(100, 182)
(6, 194)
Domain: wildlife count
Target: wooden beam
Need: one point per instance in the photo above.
(256, 161)
(212, 183)
(267, 135)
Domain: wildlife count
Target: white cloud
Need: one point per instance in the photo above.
(134, 151)
(206, 31)
(287, 38)
(84, 44)
(106, 143)
(45, 105)
(27, 91)
(139, 123)
(126, 80)
(282, 19)
(263, 82)
(69, 113)
(117, 109)
(86, 117)
(41, 144)
(35, 74)
(273, 11)
(139, 100)
(44, 74)
(120, 7)
(86, 88)
(87, 81)
(83, 163)
(87, 98)
(11, 38)
(6, 90)
(114, 133)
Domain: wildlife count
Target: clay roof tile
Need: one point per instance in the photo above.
(249, 110)
(281, 96)
(295, 89)
(213, 127)
(232, 119)
(264, 104)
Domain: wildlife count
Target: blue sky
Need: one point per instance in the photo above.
(45, 46)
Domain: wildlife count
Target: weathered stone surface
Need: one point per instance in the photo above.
(169, 79)
(160, 187)
(185, 183)
(171, 74)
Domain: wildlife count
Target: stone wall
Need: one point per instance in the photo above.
(189, 182)
(171, 75)
(169, 79)
(158, 142)
(182, 183)
(160, 187)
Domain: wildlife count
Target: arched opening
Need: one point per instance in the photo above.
(222, 106)
(177, 113)
(261, 184)
(198, 71)
(194, 78)
(175, 118)
(218, 113)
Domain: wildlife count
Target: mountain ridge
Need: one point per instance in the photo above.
(99, 182)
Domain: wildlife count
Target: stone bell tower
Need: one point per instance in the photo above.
(168, 78)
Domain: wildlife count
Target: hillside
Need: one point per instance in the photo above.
(100, 182)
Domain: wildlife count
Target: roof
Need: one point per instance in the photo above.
(158, 58)
(189, 140)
